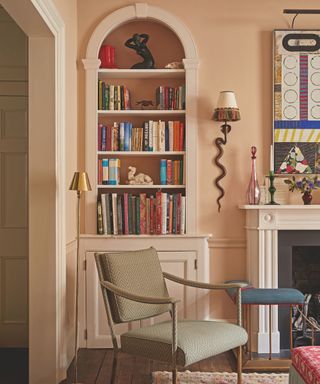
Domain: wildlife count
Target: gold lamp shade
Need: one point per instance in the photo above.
(80, 182)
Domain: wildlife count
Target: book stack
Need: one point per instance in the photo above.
(109, 171)
(127, 214)
(113, 97)
(152, 136)
(171, 172)
(171, 98)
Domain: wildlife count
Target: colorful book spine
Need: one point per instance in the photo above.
(163, 213)
(118, 97)
(104, 213)
(170, 213)
(169, 171)
(127, 136)
(143, 211)
(126, 213)
(119, 214)
(100, 94)
(114, 213)
(99, 219)
(152, 215)
(150, 137)
(137, 215)
(130, 214)
(183, 216)
(145, 136)
(163, 171)
(134, 215)
(103, 138)
(148, 216)
(158, 213)
(111, 97)
(162, 143)
(109, 221)
(99, 136)
(105, 171)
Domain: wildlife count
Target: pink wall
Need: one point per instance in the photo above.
(234, 41)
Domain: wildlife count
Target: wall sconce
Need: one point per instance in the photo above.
(227, 110)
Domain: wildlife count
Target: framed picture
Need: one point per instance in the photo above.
(296, 104)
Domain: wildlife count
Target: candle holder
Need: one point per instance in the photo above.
(272, 189)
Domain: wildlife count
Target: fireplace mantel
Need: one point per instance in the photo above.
(262, 225)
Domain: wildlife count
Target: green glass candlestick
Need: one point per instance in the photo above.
(272, 189)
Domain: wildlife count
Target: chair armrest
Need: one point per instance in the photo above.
(196, 284)
(141, 299)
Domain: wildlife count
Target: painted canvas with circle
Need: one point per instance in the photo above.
(296, 129)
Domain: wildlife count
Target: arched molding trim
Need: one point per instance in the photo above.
(141, 11)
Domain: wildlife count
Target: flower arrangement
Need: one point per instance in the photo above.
(306, 184)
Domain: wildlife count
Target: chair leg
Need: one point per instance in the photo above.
(114, 367)
(174, 376)
(239, 365)
(270, 332)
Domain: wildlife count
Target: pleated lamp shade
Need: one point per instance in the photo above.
(227, 107)
(80, 182)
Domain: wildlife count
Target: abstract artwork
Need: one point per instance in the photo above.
(296, 129)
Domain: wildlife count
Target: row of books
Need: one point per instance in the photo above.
(170, 97)
(171, 172)
(152, 136)
(113, 97)
(109, 171)
(127, 214)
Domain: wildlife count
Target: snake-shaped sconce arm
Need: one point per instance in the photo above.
(225, 129)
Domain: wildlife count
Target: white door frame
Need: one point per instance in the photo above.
(54, 364)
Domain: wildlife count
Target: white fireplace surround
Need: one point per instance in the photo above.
(262, 225)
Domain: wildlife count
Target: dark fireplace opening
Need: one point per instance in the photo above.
(299, 267)
(306, 278)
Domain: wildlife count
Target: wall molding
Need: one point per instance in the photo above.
(49, 13)
(71, 246)
(227, 243)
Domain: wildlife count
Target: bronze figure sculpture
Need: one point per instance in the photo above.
(138, 42)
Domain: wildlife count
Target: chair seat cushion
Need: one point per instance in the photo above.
(306, 361)
(265, 296)
(197, 340)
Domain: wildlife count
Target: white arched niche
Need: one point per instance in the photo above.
(142, 11)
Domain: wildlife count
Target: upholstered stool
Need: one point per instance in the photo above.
(266, 296)
(305, 365)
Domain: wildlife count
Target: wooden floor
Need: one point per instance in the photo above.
(94, 367)
(13, 366)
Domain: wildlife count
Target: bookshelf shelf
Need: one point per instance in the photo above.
(142, 112)
(141, 186)
(141, 73)
(141, 153)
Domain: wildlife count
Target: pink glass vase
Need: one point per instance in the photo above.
(253, 191)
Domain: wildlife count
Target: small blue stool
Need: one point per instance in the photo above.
(266, 296)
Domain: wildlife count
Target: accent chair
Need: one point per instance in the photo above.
(134, 288)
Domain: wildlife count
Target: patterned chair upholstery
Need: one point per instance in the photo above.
(134, 288)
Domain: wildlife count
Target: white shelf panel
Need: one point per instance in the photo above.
(141, 186)
(143, 112)
(141, 73)
(141, 153)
